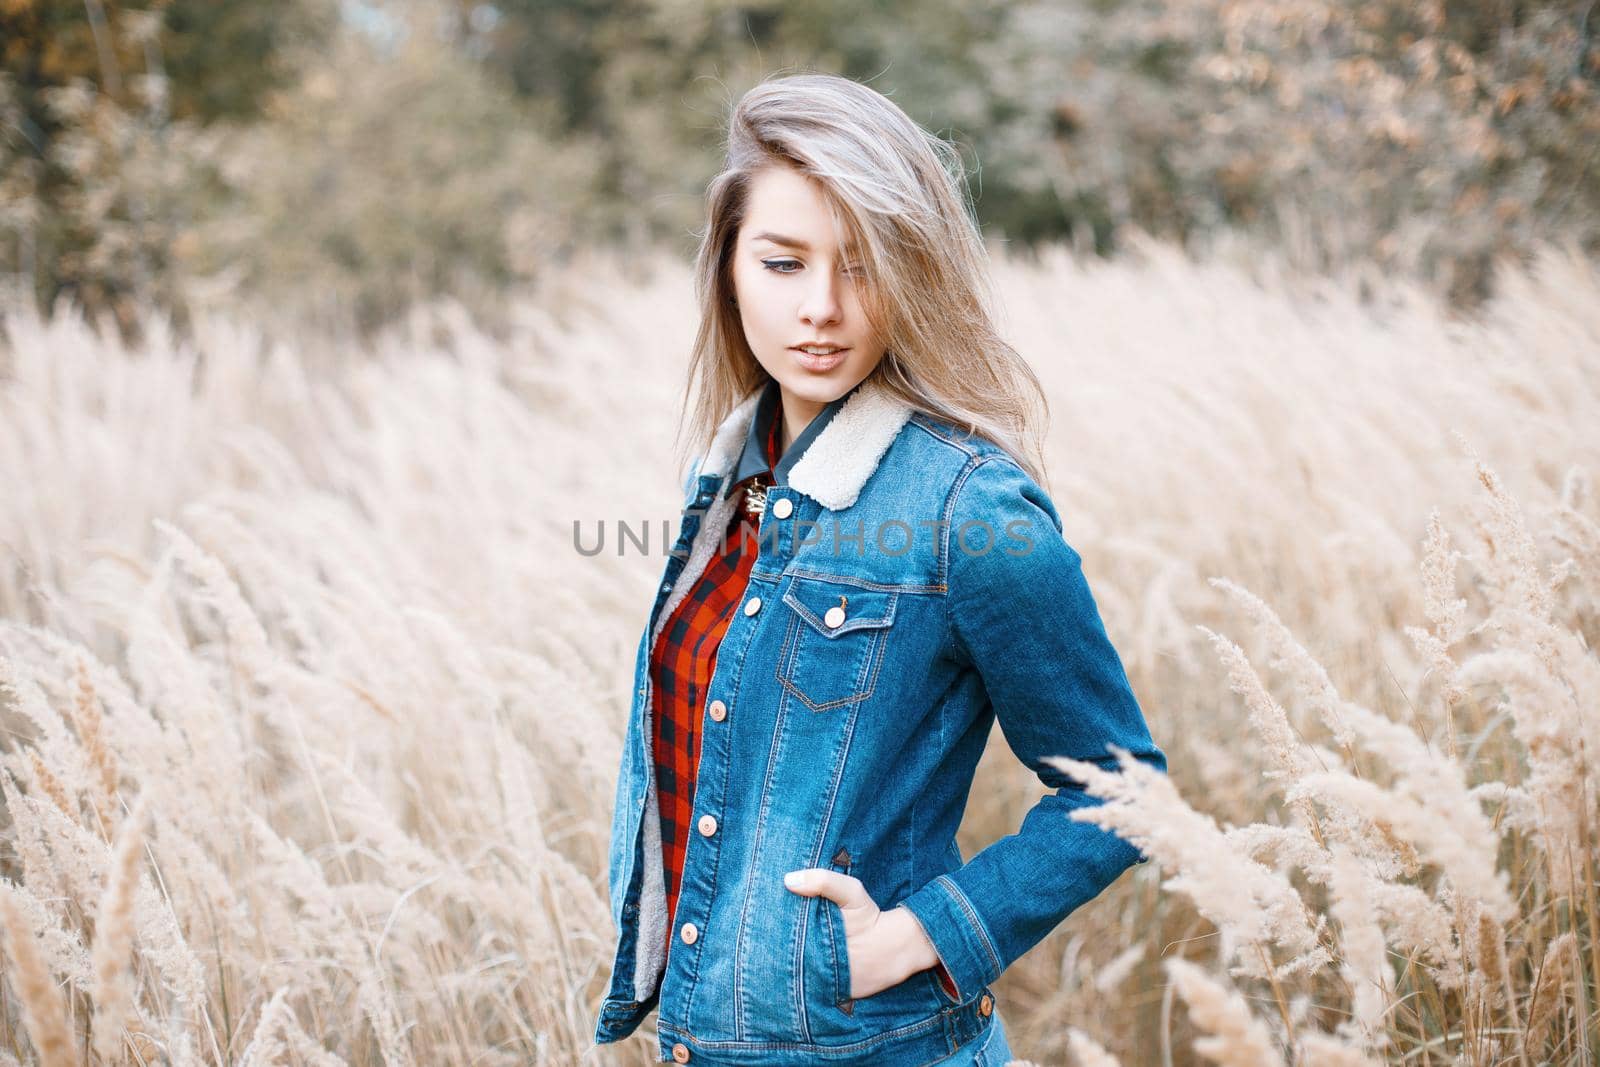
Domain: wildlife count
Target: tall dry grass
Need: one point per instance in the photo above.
(311, 708)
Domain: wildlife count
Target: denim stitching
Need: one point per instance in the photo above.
(933, 1022)
(885, 587)
(887, 619)
(755, 847)
(867, 671)
(966, 906)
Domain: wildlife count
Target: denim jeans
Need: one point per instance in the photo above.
(990, 1050)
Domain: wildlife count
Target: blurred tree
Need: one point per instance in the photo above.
(99, 97)
(1430, 137)
(138, 144)
(652, 80)
(398, 170)
(224, 58)
(553, 49)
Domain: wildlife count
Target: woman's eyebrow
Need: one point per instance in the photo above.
(780, 239)
(790, 242)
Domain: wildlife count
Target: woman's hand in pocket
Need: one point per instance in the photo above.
(884, 948)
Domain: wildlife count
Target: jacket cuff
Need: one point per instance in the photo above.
(951, 922)
(939, 970)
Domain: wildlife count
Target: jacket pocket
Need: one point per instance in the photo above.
(834, 643)
(827, 981)
(837, 945)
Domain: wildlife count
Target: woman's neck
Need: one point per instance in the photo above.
(795, 414)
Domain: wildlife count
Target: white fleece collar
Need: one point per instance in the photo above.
(840, 459)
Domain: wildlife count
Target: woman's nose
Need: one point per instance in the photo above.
(821, 304)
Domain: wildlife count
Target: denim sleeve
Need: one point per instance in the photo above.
(1022, 614)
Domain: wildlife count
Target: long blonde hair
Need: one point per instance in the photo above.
(898, 194)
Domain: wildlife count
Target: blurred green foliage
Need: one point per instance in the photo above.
(100, 171)
(352, 158)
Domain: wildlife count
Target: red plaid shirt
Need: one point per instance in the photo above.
(681, 665)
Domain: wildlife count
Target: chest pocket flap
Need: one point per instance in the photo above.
(834, 642)
(837, 608)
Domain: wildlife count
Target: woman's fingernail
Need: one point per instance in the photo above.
(792, 879)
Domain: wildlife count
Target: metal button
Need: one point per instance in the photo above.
(680, 1052)
(782, 508)
(691, 933)
(986, 1004)
(717, 710)
(834, 617)
(708, 825)
(752, 605)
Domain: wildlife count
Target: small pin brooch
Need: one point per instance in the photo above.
(755, 499)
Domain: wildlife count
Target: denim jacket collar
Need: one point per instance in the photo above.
(753, 460)
(852, 435)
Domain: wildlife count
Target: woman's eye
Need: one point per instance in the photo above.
(792, 266)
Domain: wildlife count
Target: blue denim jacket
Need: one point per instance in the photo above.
(914, 587)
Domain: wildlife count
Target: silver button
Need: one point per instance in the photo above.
(708, 825)
(717, 710)
(752, 605)
(782, 508)
(834, 617)
(690, 933)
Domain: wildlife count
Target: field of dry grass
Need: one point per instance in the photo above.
(311, 709)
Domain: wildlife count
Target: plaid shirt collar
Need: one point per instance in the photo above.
(753, 460)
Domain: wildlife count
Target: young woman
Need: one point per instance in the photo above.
(868, 576)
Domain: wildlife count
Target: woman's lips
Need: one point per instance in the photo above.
(819, 363)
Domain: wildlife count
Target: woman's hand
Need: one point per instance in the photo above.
(884, 947)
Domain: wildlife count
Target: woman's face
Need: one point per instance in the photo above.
(795, 288)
